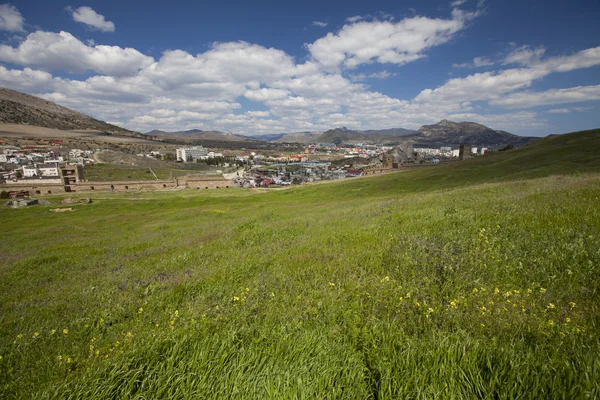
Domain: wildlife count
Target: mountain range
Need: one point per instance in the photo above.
(24, 109)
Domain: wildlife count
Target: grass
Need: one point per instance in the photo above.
(474, 280)
(113, 172)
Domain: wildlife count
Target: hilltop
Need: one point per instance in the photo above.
(24, 109)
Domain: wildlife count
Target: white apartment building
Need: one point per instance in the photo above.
(191, 154)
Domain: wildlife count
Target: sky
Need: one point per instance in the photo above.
(528, 67)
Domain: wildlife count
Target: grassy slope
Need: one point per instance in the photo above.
(463, 281)
(112, 172)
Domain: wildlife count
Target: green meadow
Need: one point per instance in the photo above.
(474, 280)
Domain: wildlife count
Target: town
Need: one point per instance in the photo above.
(51, 165)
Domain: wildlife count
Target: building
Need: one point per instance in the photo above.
(48, 169)
(192, 154)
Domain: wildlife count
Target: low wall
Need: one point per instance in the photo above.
(120, 186)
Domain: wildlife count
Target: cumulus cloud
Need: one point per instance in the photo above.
(319, 23)
(10, 19)
(548, 97)
(493, 85)
(63, 51)
(89, 17)
(384, 41)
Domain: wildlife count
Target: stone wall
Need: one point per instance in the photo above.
(186, 182)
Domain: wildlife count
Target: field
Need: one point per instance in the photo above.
(475, 280)
(112, 172)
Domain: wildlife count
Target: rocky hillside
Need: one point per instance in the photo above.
(455, 133)
(21, 108)
(195, 135)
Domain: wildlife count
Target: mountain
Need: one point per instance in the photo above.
(299, 137)
(448, 133)
(196, 134)
(24, 109)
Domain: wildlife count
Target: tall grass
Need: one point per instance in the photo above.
(395, 287)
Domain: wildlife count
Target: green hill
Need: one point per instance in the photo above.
(477, 279)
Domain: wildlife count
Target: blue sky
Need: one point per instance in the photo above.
(528, 67)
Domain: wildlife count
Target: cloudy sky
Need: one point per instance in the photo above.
(530, 67)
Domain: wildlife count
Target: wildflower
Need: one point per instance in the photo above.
(572, 304)
(542, 290)
(475, 290)
(141, 310)
(430, 310)
(331, 284)
(550, 322)
(129, 334)
(401, 298)
(483, 308)
(20, 336)
(247, 289)
(408, 295)
(482, 325)
(272, 294)
(235, 298)
(529, 291)
(551, 306)
(65, 331)
(496, 290)
(567, 320)
(454, 304)
(53, 331)
(69, 360)
(386, 279)
(36, 334)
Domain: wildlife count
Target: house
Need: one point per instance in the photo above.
(353, 172)
(48, 169)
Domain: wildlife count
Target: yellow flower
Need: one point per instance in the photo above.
(483, 309)
(141, 310)
(475, 290)
(567, 320)
(247, 289)
(386, 279)
(235, 298)
(69, 360)
(454, 304)
(542, 290)
(430, 310)
(496, 290)
(129, 334)
(572, 304)
(20, 336)
(53, 331)
(65, 331)
(550, 322)
(331, 284)
(551, 306)
(36, 334)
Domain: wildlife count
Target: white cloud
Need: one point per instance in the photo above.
(10, 19)
(26, 80)
(477, 63)
(89, 17)
(63, 51)
(354, 19)
(548, 97)
(493, 85)
(386, 42)
(319, 23)
(258, 114)
(458, 3)
(525, 56)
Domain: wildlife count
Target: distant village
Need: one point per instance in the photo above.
(52, 163)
